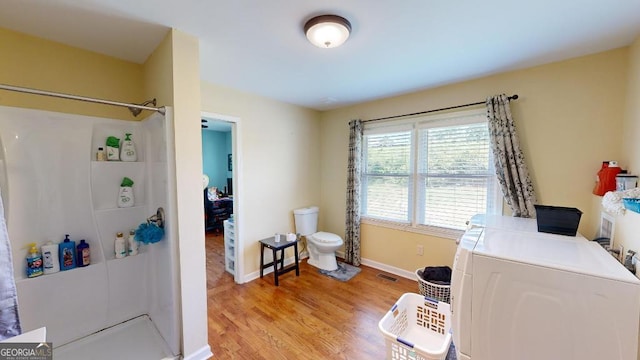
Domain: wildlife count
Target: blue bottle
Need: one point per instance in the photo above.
(84, 256)
(67, 254)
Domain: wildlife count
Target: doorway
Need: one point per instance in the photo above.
(222, 187)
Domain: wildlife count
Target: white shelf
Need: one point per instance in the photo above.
(229, 246)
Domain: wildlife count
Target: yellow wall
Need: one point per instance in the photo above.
(157, 73)
(185, 87)
(36, 63)
(280, 163)
(627, 227)
(569, 118)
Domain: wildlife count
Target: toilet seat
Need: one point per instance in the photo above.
(326, 238)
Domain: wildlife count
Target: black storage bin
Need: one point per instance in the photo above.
(558, 220)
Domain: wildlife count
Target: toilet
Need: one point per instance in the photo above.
(322, 246)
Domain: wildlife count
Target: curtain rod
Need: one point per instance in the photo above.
(134, 108)
(512, 97)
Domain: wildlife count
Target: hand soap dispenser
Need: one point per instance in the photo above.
(67, 254)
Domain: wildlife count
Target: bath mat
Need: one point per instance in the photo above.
(344, 272)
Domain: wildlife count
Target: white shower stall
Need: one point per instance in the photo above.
(52, 185)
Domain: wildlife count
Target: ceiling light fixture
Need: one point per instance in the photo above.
(327, 31)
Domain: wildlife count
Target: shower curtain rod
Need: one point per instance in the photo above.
(134, 108)
(512, 97)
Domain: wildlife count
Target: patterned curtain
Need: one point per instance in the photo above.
(511, 169)
(352, 222)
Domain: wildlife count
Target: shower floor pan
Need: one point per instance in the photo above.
(136, 339)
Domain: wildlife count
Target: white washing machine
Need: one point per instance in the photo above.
(522, 295)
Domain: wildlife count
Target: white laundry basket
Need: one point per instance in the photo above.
(417, 328)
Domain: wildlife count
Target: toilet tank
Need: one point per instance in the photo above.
(306, 220)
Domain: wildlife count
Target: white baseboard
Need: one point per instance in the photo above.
(370, 263)
(384, 267)
(288, 261)
(390, 269)
(202, 354)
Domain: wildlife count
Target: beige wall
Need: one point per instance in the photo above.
(627, 230)
(179, 58)
(569, 118)
(280, 163)
(33, 62)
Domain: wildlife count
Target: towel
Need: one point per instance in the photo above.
(612, 200)
(437, 274)
(9, 320)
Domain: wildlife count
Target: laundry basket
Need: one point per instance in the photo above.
(433, 290)
(417, 328)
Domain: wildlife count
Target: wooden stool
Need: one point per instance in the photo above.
(275, 246)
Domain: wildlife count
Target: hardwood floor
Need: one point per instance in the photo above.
(307, 317)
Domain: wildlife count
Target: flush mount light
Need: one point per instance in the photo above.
(327, 31)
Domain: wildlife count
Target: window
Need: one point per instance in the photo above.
(429, 172)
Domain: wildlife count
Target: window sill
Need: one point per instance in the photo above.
(419, 229)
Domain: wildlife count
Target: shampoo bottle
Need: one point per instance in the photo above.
(113, 148)
(133, 243)
(34, 261)
(125, 196)
(50, 258)
(128, 150)
(83, 254)
(67, 252)
(120, 248)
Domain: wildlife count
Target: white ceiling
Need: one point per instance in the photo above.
(395, 47)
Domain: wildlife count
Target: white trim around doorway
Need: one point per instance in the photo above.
(238, 188)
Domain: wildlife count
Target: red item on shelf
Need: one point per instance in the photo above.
(606, 180)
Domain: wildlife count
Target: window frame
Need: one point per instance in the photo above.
(414, 124)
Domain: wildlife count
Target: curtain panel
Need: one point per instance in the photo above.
(354, 170)
(511, 169)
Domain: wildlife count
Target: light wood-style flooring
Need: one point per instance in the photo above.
(307, 317)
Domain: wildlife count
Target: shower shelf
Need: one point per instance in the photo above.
(44, 277)
(117, 209)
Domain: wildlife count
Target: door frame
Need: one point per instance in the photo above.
(238, 187)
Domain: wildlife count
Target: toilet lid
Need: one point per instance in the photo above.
(325, 237)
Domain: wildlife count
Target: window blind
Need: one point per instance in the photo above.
(436, 171)
(387, 168)
(454, 172)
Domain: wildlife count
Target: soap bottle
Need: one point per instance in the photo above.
(133, 243)
(113, 148)
(128, 149)
(83, 254)
(125, 196)
(120, 248)
(67, 252)
(101, 155)
(51, 264)
(34, 261)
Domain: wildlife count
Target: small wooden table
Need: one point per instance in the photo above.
(275, 246)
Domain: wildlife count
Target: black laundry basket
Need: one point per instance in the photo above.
(440, 292)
